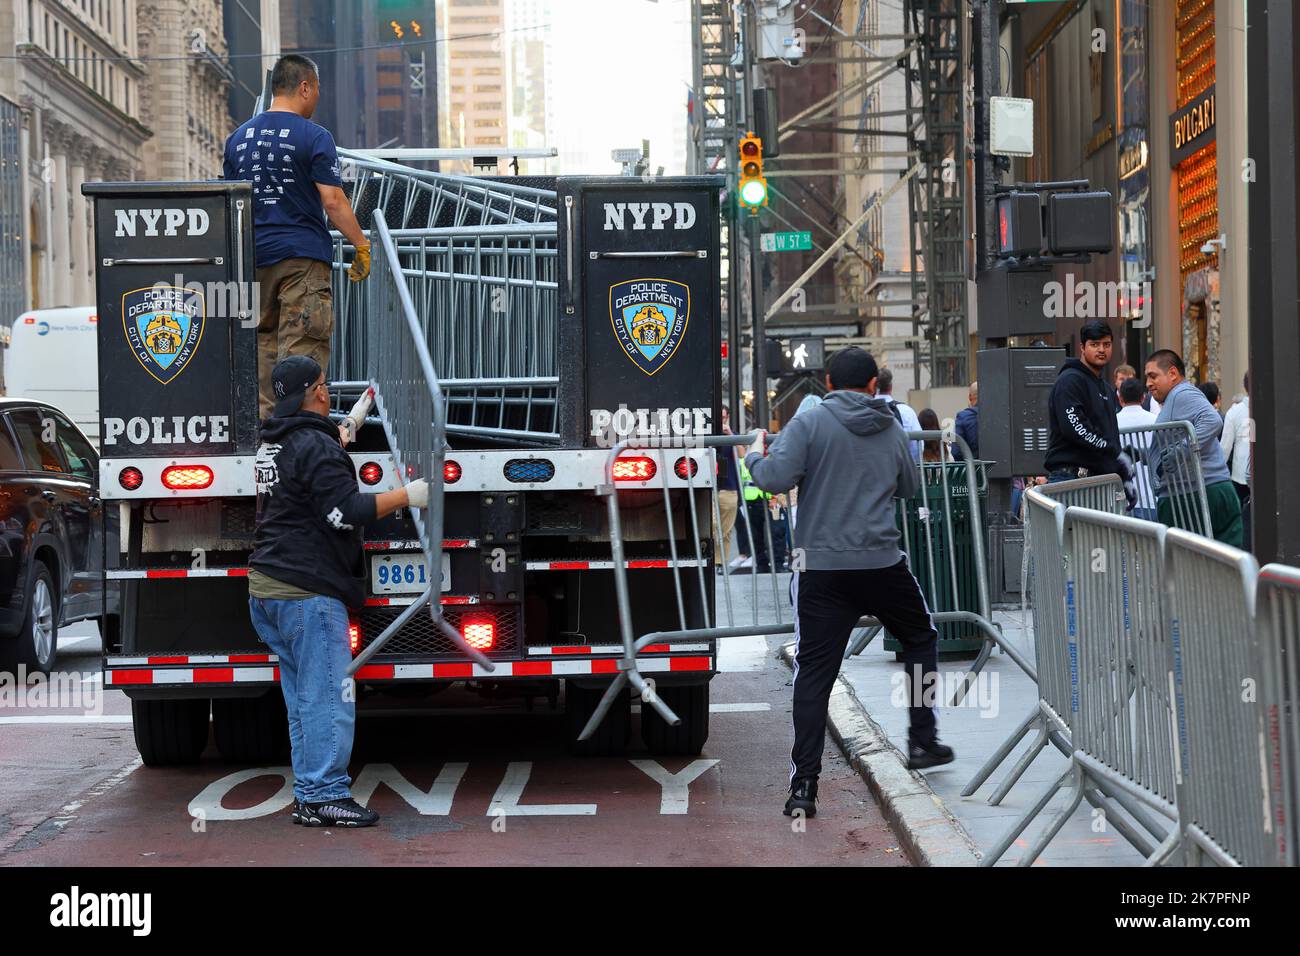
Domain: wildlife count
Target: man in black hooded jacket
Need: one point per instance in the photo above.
(305, 571)
(1083, 435)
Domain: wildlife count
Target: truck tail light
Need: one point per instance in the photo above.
(187, 477)
(354, 636)
(372, 473)
(130, 478)
(480, 632)
(686, 468)
(450, 472)
(638, 468)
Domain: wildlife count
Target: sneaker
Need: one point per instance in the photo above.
(933, 754)
(803, 797)
(336, 813)
(741, 561)
(298, 812)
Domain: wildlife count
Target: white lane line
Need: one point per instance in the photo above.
(738, 708)
(68, 813)
(742, 654)
(68, 719)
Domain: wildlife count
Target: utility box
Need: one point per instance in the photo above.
(1015, 385)
(1011, 302)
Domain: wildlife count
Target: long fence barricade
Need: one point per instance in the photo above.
(1168, 463)
(1223, 712)
(1277, 617)
(409, 404)
(686, 518)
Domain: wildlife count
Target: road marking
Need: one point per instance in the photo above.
(505, 802)
(739, 708)
(675, 787)
(69, 719)
(207, 805)
(436, 803)
(68, 813)
(742, 654)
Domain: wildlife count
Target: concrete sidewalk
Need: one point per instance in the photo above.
(936, 823)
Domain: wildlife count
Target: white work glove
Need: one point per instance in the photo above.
(357, 417)
(417, 493)
(760, 445)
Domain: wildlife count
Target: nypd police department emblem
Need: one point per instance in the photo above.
(163, 325)
(649, 318)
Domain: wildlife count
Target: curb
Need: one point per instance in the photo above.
(928, 833)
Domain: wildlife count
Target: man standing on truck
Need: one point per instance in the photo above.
(305, 571)
(850, 458)
(294, 169)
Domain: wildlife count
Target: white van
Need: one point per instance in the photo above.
(53, 357)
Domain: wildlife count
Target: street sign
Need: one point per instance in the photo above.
(785, 242)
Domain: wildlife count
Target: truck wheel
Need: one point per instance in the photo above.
(170, 731)
(611, 737)
(691, 704)
(37, 642)
(251, 729)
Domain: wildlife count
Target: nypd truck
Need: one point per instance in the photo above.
(526, 570)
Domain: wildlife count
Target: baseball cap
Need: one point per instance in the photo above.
(290, 380)
(852, 368)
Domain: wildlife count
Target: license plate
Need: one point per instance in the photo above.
(405, 574)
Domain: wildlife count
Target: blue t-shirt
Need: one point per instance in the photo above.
(284, 156)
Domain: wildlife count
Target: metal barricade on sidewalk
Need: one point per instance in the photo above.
(1168, 461)
(1277, 618)
(1222, 730)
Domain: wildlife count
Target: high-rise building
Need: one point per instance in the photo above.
(253, 38)
(529, 76)
(378, 62)
(70, 111)
(475, 90)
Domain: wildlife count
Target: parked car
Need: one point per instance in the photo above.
(51, 547)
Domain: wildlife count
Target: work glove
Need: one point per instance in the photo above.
(1128, 475)
(417, 493)
(357, 417)
(760, 445)
(360, 264)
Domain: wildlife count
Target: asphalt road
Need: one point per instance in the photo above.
(488, 787)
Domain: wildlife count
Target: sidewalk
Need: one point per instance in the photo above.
(996, 707)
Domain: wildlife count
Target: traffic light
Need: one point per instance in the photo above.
(1080, 222)
(753, 187)
(1020, 224)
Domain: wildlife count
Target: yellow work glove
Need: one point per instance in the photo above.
(360, 264)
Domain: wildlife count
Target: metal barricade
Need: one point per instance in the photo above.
(1277, 616)
(1121, 706)
(410, 406)
(1223, 758)
(1168, 461)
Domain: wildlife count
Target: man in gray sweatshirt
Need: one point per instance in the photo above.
(850, 459)
(1181, 401)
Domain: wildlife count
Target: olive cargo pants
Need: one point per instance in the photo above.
(297, 318)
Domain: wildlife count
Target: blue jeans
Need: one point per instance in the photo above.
(310, 637)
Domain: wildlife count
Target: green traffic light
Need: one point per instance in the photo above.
(753, 193)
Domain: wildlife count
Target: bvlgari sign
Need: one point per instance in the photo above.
(1192, 127)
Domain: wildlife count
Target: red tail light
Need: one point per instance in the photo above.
(450, 472)
(130, 478)
(480, 632)
(354, 636)
(372, 473)
(187, 477)
(686, 468)
(638, 468)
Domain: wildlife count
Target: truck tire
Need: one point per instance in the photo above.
(612, 736)
(169, 732)
(251, 729)
(691, 704)
(36, 644)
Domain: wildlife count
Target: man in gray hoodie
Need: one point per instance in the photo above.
(850, 458)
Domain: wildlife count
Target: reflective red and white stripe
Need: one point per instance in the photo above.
(164, 672)
(633, 564)
(152, 573)
(400, 600)
(562, 651)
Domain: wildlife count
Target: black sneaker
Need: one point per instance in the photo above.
(336, 813)
(803, 797)
(933, 754)
(297, 812)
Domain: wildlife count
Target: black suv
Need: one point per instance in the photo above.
(51, 533)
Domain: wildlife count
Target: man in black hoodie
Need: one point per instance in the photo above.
(305, 571)
(1083, 428)
(850, 458)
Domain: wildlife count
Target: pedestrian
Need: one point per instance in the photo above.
(305, 572)
(1083, 428)
(294, 168)
(1235, 442)
(1123, 373)
(929, 421)
(1136, 445)
(850, 458)
(1211, 392)
(1181, 401)
(728, 489)
(968, 424)
(906, 414)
